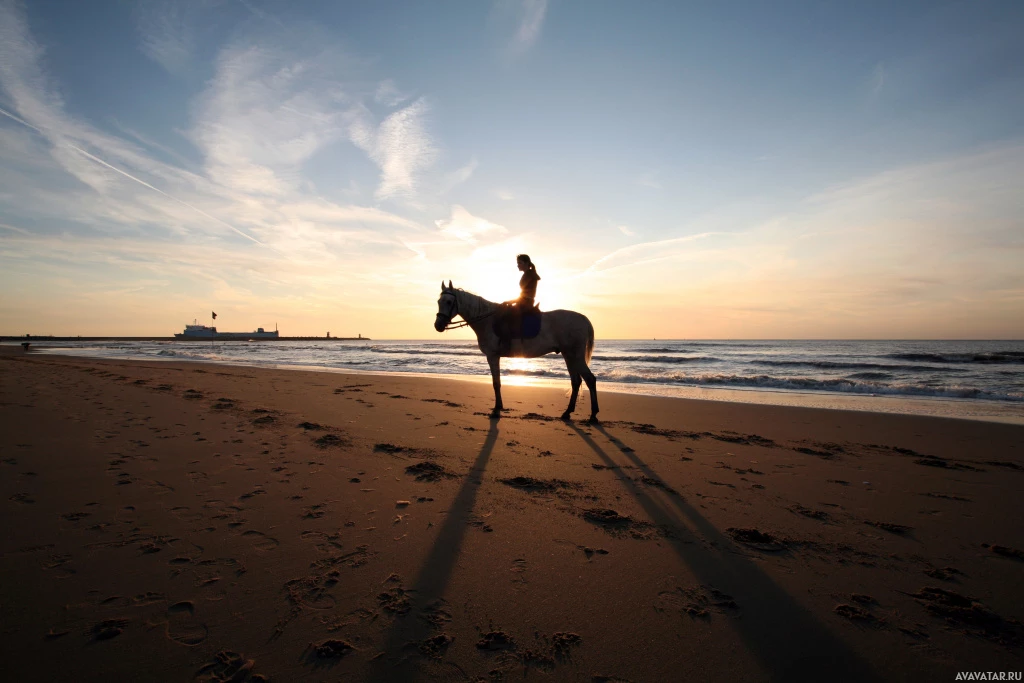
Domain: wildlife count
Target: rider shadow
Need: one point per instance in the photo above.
(786, 639)
(410, 630)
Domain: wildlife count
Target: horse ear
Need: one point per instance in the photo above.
(442, 285)
(450, 285)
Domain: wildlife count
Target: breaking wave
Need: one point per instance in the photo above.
(658, 359)
(841, 365)
(845, 385)
(994, 357)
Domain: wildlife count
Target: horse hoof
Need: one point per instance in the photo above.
(567, 416)
(592, 420)
(495, 414)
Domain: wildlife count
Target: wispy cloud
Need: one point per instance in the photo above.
(465, 226)
(522, 21)
(458, 176)
(400, 146)
(264, 114)
(388, 94)
(530, 23)
(261, 13)
(916, 251)
(625, 230)
(644, 253)
(166, 32)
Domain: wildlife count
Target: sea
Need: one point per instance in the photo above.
(963, 379)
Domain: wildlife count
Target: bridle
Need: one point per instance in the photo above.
(465, 322)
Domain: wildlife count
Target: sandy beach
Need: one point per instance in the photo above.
(186, 521)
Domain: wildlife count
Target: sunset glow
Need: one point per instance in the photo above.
(288, 165)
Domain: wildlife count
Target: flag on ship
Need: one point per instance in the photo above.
(214, 315)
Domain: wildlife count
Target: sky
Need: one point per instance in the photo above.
(784, 170)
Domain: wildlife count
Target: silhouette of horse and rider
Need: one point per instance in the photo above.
(517, 328)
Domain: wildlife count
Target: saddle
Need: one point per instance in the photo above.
(519, 324)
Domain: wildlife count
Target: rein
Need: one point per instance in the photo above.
(465, 322)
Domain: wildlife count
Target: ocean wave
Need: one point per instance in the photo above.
(870, 375)
(517, 372)
(986, 358)
(187, 355)
(421, 352)
(845, 385)
(839, 365)
(657, 359)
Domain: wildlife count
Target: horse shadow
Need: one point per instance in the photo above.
(408, 631)
(787, 640)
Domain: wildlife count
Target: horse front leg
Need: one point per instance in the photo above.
(591, 381)
(575, 380)
(495, 363)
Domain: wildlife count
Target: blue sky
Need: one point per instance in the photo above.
(731, 169)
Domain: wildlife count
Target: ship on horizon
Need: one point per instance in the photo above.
(207, 333)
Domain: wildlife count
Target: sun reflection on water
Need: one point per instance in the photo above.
(518, 369)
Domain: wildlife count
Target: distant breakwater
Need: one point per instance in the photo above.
(34, 338)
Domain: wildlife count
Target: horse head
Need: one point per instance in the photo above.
(447, 307)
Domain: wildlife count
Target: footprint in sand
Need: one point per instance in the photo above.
(182, 626)
(58, 564)
(158, 488)
(519, 570)
(261, 542)
(229, 666)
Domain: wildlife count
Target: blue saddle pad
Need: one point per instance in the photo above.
(531, 325)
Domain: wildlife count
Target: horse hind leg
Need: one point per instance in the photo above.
(591, 381)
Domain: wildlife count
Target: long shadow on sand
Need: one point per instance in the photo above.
(409, 630)
(789, 643)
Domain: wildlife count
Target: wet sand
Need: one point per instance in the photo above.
(176, 521)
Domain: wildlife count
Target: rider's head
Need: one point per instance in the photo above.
(524, 262)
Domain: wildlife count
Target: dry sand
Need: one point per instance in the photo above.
(183, 521)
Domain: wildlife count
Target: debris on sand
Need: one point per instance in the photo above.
(330, 440)
(935, 461)
(534, 485)
(496, 640)
(607, 517)
(435, 647)
(444, 402)
(428, 471)
(109, 628)
(1005, 551)
(967, 614)
(944, 574)
(538, 417)
(857, 614)
(332, 649)
(561, 642)
(618, 524)
(819, 515)
(756, 539)
(899, 529)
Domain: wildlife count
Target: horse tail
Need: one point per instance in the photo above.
(590, 339)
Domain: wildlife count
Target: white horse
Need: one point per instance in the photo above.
(565, 332)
